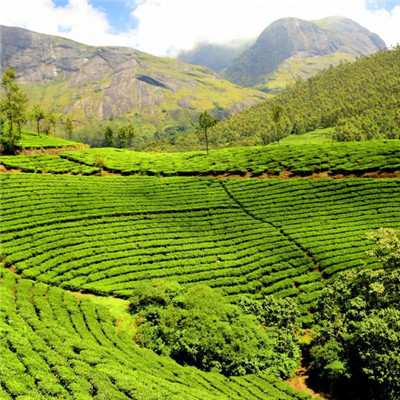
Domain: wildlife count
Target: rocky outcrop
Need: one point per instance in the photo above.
(104, 82)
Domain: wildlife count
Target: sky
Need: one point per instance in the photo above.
(164, 27)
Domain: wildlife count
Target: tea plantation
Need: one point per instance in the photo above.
(336, 158)
(105, 234)
(46, 163)
(54, 346)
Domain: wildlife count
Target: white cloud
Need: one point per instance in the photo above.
(166, 26)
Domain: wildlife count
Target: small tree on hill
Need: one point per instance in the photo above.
(206, 121)
(53, 118)
(37, 114)
(125, 135)
(13, 105)
(69, 127)
(109, 137)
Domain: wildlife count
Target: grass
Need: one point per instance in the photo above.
(118, 308)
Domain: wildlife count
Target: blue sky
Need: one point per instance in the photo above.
(387, 5)
(119, 13)
(163, 27)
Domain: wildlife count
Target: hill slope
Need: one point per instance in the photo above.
(90, 84)
(360, 99)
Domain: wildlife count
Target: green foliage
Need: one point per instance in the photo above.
(199, 327)
(69, 127)
(53, 118)
(108, 136)
(355, 351)
(360, 98)
(13, 110)
(387, 248)
(125, 135)
(37, 114)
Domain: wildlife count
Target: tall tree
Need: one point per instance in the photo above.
(53, 118)
(14, 103)
(126, 134)
(109, 137)
(206, 121)
(37, 114)
(69, 127)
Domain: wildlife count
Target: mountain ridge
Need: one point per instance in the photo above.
(93, 83)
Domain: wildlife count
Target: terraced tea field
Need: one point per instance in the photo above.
(103, 234)
(336, 158)
(31, 140)
(46, 163)
(54, 346)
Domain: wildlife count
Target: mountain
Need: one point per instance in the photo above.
(286, 49)
(292, 47)
(90, 84)
(360, 99)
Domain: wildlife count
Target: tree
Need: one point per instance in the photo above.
(356, 348)
(37, 114)
(197, 326)
(387, 246)
(206, 121)
(53, 117)
(69, 127)
(126, 134)
(13, 105)
(109, 137)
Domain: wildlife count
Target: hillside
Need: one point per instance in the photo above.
(360, 99)
(92, 84)
(285, 161)
(286, 49)
(75, 250)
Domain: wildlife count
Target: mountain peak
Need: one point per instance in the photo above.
(294, 38)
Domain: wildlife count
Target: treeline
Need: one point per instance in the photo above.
(360, 99)
(15, 113)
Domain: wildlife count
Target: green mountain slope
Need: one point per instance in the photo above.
(361, 99)
(91, 84)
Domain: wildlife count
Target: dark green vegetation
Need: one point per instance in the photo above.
(46, 163)
(338, 158)
(355, 353)
(54, 346)
(199, 327)
(360, 99)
